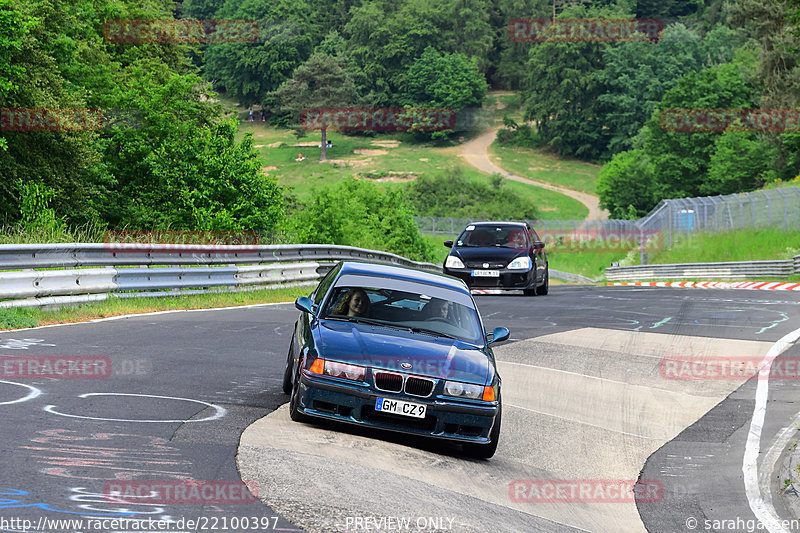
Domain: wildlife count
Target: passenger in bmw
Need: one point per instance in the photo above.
(354, 303)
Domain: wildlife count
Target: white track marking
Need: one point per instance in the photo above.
(764, 512)
(34, 392)
(220, 411)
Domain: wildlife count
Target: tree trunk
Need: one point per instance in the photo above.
(323, 154)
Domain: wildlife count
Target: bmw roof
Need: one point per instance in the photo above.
(403, 273)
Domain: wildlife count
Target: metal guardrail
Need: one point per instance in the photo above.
(572, 278)
(672, 218)
(17, 256)
(71, 276)
(722, 271)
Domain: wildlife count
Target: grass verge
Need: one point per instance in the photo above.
(739, 245)
(589, 264)
(18, 318)
(538, 164)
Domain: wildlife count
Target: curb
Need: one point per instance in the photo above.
(788, 495)
(750, 285)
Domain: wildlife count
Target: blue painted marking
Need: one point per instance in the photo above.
(16, 504)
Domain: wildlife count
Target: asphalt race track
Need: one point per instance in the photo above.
(590, 401)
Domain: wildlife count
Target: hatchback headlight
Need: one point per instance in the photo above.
(520, 263)
(453, 262)
(463, 390)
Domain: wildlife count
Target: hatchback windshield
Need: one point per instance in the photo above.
(491, 236)
(412, 311)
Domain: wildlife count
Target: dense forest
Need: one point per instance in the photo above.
(167, 154)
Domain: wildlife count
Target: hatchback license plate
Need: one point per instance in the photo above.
(486, 273)
(399, 407)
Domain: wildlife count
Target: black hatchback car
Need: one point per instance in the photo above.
(499, 255)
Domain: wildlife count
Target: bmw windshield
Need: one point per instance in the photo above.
(430, 310)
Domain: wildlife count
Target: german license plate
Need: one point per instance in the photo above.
(399, 407)
(486, 273)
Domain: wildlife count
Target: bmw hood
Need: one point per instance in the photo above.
(404, 351)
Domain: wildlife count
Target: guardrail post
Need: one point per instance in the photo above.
(785, 209)
(752, 209)
(670, 220)
(741, 211)
(642, 253)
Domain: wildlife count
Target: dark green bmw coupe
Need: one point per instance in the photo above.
(397, 349)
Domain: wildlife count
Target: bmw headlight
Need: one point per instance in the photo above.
(463, 390)
(520, 263)
(453, 262)
(342, 370)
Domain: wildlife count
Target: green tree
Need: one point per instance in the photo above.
(443, 80)
(626, 186)
(741, 162)
(208, 181)
(385, 37)
(771, 23)
(446, 80)
(38, 46)
(319, 82)
(509, 55)
(180, 165)
(450, 193)
(248, 71)
(637, 74)
(359, 213)
(15, 25)
(667, 8)
(200, 9)
(561, 95)
(682, 158)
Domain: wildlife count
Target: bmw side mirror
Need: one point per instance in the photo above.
(448, 244)
(497, 335)
(305, 304)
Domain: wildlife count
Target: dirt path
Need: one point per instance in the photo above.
(476, 153)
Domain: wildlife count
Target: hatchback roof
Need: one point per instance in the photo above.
(498, 223)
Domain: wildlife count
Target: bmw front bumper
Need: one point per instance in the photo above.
(354, 403)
